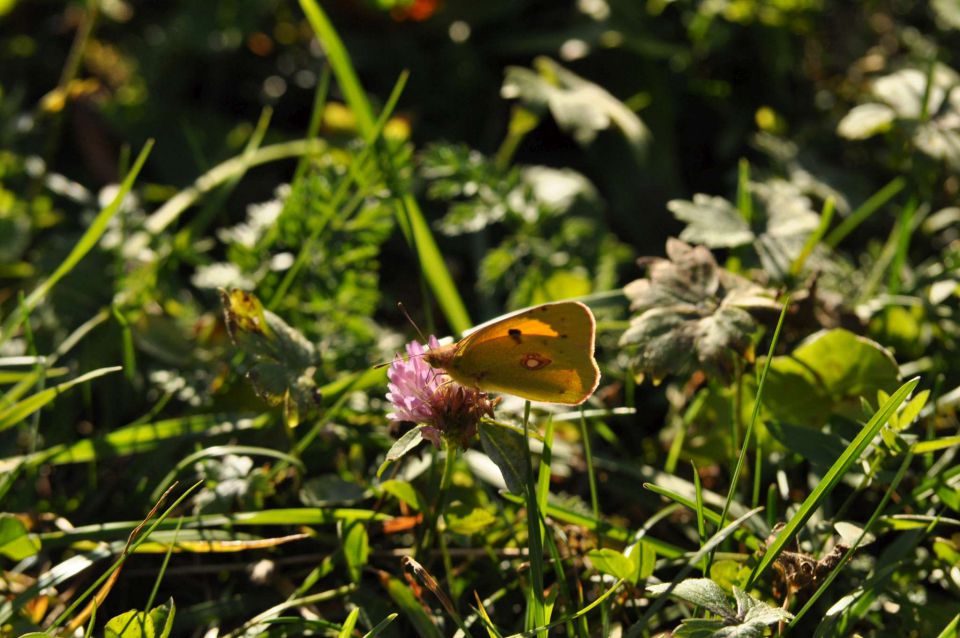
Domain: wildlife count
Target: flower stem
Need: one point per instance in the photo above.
(440, 502)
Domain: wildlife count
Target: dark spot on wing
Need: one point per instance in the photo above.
(563, 336)
(515, 334)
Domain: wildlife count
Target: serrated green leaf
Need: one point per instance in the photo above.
(690, 315)
(286, 360)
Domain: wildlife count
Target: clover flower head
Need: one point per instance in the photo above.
(425, 395)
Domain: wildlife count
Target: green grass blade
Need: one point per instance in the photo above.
(142, 437)
(832, 477)
(221, 450)
(380, 626)
(707, 549)
(19, 411)
(80, 249)
(756, 412)
(826, 216)
(863, 534)
(864, 211)
(745, 536)
(127, 551)
(536, 601)
(541, 630)
(340, 62)
(432, 264)
(609, 531)
(264, 616)
(176, 205)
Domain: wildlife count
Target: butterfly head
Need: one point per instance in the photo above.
(441, 357)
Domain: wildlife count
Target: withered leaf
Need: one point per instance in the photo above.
(690, 314)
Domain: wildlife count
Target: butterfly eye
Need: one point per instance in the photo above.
(534, 361)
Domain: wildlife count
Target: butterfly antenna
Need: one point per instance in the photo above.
(410, 319)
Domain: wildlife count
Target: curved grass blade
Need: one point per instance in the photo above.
(223, 450)
(176, 205)
(80, 249)
(432, 264)
(136, 439)
(832, 477)
(21, 410)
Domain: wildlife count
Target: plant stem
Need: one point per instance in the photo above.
(440, 502)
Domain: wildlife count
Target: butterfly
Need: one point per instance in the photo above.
(543, 354)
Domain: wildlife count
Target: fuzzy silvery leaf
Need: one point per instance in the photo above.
(699, 591)
(783, 219)
(926, 105)
(711, 221)
(947, 12)
(753, 611)
(579, 106)
(866, 120)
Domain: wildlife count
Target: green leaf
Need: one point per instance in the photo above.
(16, 543)
(827, 374)
(381, 626)
(162, 617)
(952, 630)
(643, 556)
(403, 491)
(832, 477)
(948, 15)
(507, 448)
(401, 447)
(137, 624)
(286, 360)
(356, 549)
(751, 611)
(609, 561)
(820, 448)
(131, 624)
(467, 520)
